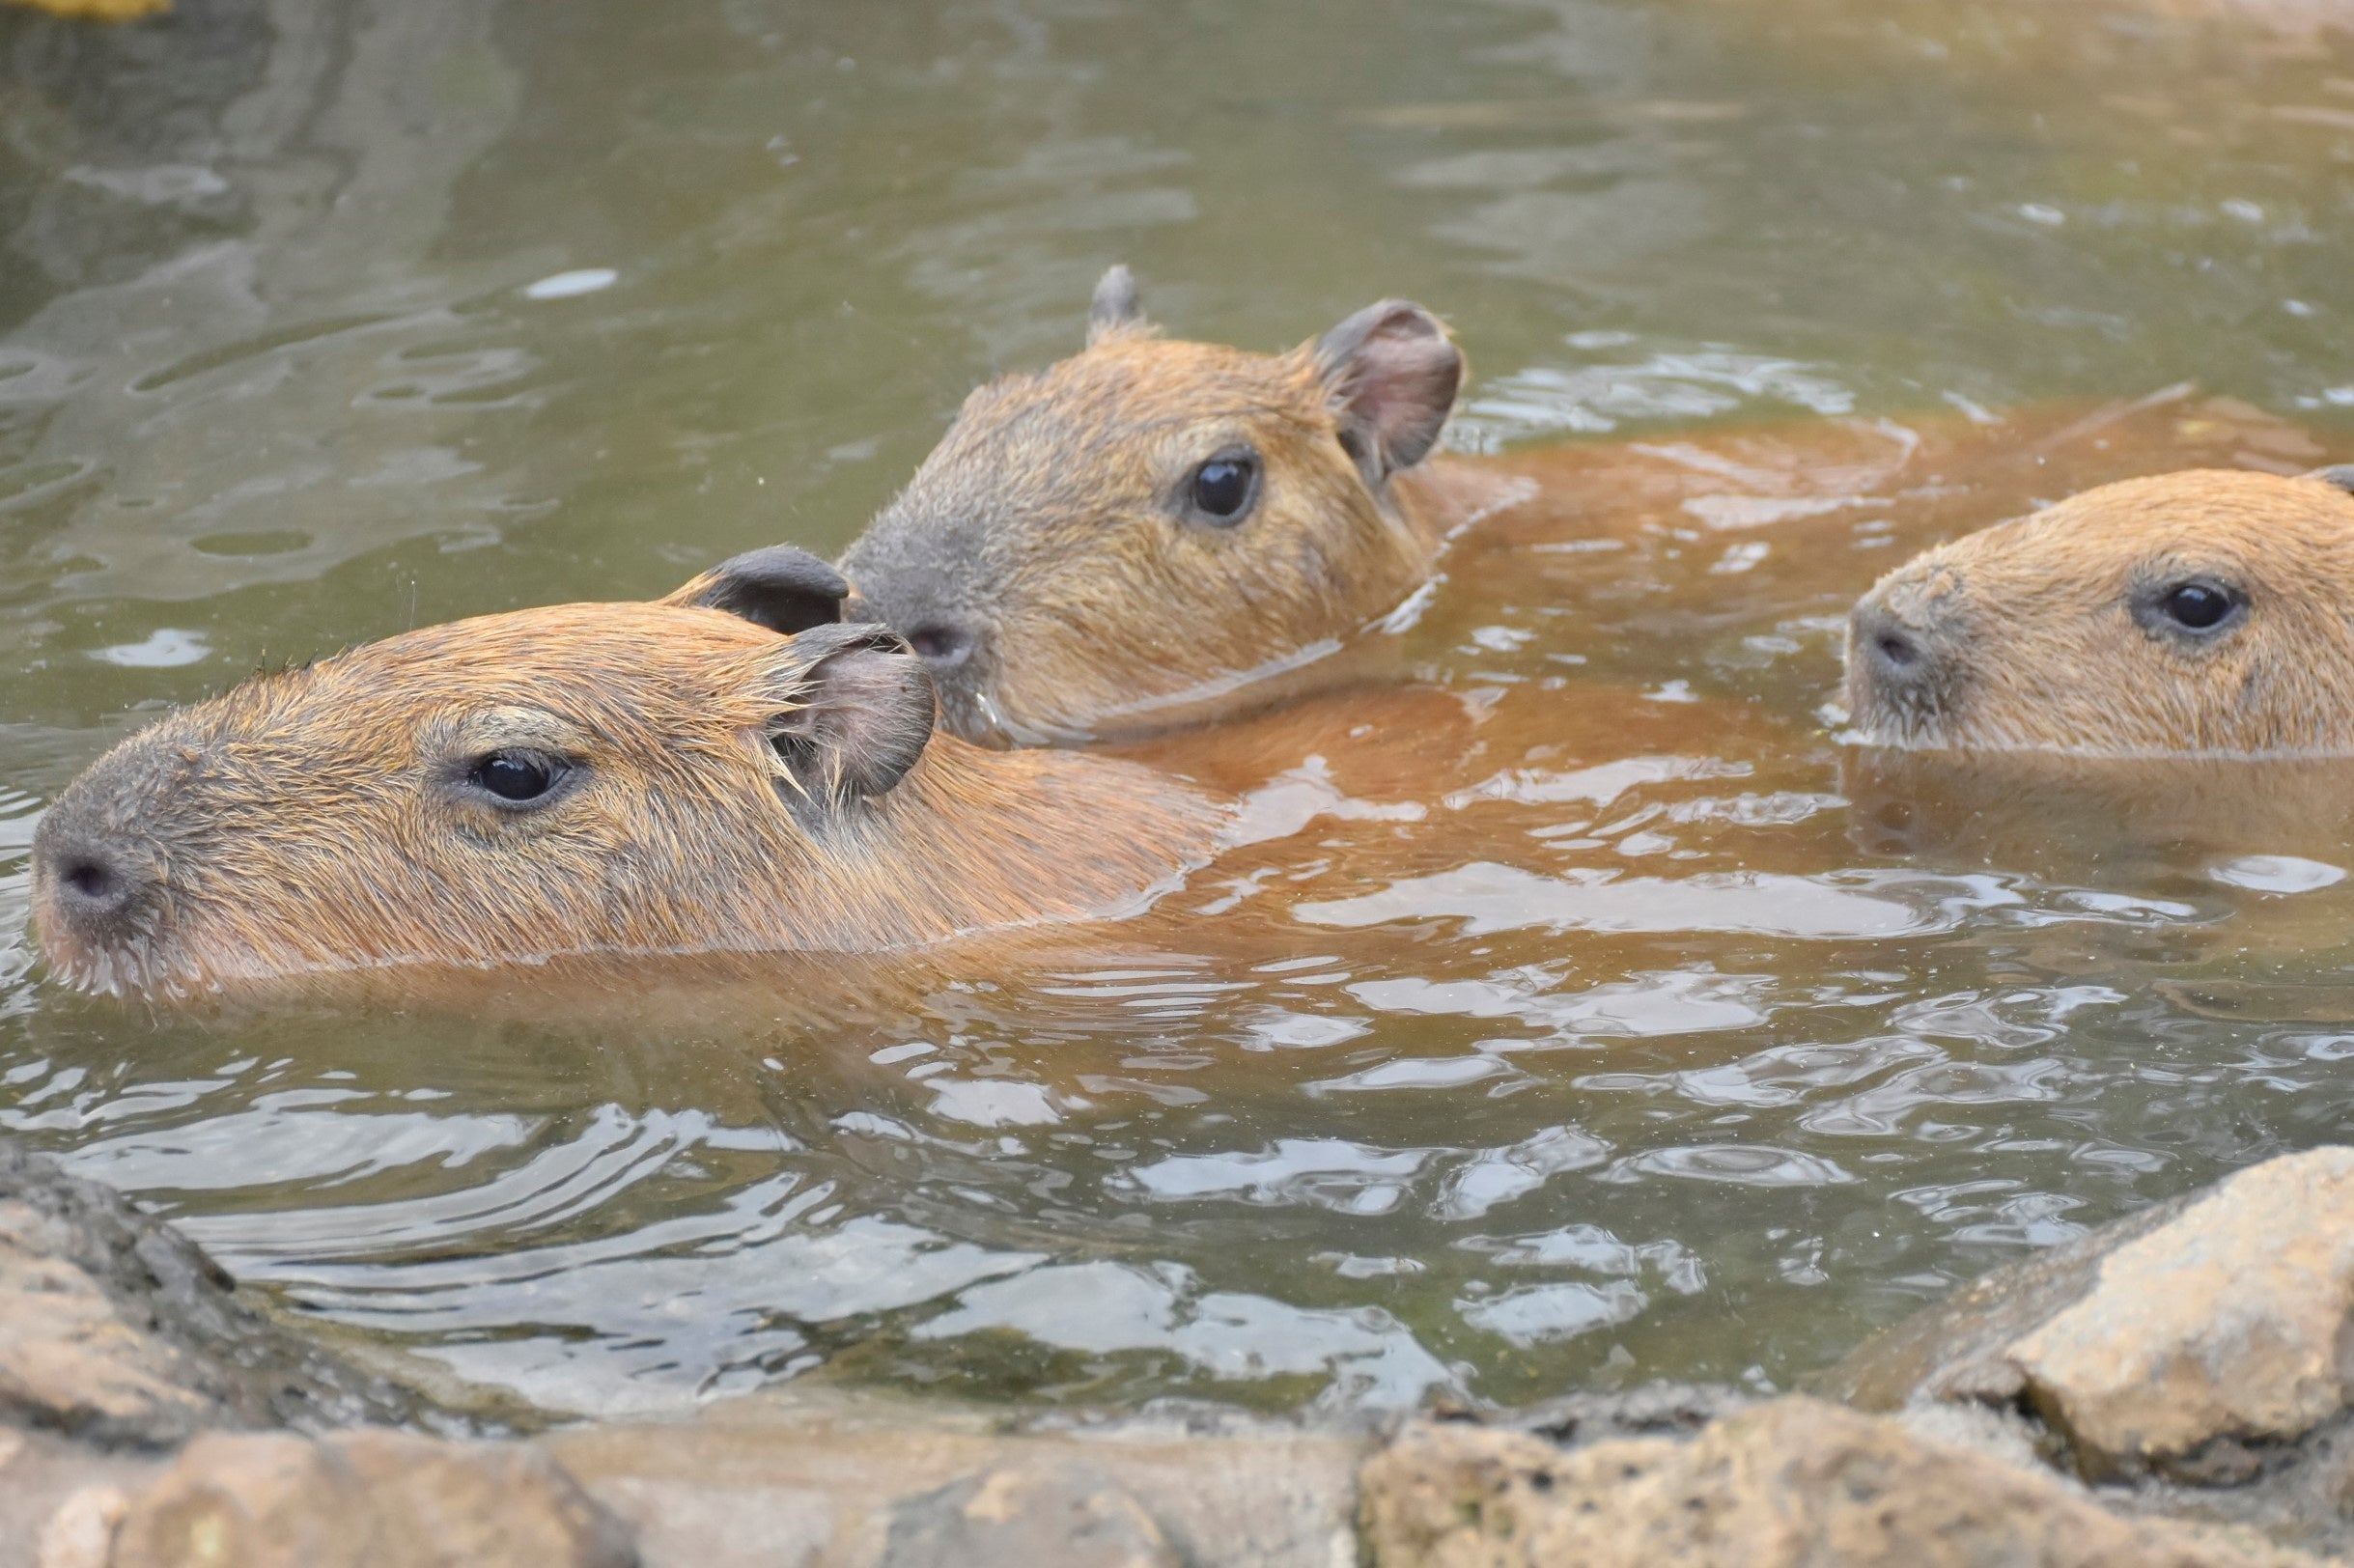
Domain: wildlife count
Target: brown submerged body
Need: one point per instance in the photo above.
(709, 785)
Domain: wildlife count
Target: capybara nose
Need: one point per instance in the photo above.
(1893, 654)
(944, 645)
(94, 887)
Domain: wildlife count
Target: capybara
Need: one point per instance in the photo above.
(624, 778)
(1154, 533)
(1151, 521)
(2206, 611)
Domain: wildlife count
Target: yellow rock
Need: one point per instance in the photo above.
(365, 1500)
(99, 11)
(1796, 1483)
(2225, 1323)
(2212, 1322)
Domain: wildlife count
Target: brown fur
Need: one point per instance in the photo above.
(308, 820)
(1051, 518)
(2038, 633)
(1046, 522)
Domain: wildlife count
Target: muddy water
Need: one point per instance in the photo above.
(1584, 1010)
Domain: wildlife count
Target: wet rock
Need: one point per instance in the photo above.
(1650, 1410)
(807, 1477)
(365, 1500)
(115, 1329)
(2193, 1340)
(1792, 1482)
(1073, 1515)
(69, 1360)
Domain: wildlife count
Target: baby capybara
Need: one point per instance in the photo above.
(632, 778)
(1151, 520)
(2206, 611)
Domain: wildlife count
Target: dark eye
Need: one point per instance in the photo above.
(518, 778)
(2197, 606)
(1224, 486)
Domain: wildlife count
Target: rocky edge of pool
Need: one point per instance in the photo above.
(2168, 1389)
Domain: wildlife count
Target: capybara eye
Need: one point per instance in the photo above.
(517, 776)
(1223, 486)
(2197, 606)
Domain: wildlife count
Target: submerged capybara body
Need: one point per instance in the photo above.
(2203, 611)
(1152, 524)
(586, 778)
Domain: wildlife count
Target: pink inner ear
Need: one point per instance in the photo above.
(1404, 387)
(1395, 374)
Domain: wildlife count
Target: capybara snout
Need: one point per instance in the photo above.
(1150, 518)
(585, 779)
(1911, 641)
(2203, 611)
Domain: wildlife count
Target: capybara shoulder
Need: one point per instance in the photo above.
(630, 778)
(1150, 521)
(2206, 611)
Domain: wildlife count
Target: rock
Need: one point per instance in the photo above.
(1649, 1410)
(1794, 1483)
(81, 1534)
(116, 1328)
(2190, 1340)
(69, 1360)
(365, 1500)
(812, 1477)
(1073, 1515)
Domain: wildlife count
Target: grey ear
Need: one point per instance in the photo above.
(784, 589)
(2340, 474)
(861, 714)
(1394, 374)
(1116, 308)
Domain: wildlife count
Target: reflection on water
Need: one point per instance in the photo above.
(1571, 1005)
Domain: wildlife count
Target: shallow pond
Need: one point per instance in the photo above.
(1585, 1011)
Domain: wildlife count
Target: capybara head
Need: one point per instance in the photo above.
(1151, 521)
(2208, 611)
(632, 778)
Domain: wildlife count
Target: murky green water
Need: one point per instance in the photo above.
(1600, 1019)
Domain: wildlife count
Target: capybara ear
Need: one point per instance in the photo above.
(1393, 371)
(784, 589)
(1115, 310)
(2340, 474)
(860, 714)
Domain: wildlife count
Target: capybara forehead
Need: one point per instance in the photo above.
(649, 642)
(2273, 531)
(617, 668)
(1134, 386)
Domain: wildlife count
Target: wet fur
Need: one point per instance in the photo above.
(299, 825)
(1045, 515)
(2032, 623)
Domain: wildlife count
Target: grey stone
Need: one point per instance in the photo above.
(2185, 1340)
(365, 1500)
(1019, 1516)
(116, 1328)
(1792, 1483)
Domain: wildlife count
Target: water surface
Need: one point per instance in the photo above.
(1594, 1015)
